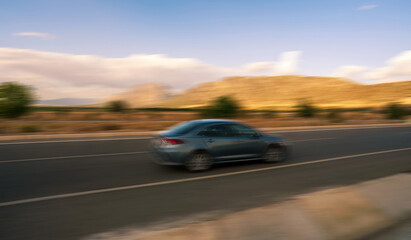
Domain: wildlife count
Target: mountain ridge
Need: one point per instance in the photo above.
(285, 91)
(143, 95)
(272, 92)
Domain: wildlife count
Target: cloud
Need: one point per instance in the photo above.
(46, 36)
(57, 75)
(367, 7)
(397, 68)
(288, 64)
(350, 71)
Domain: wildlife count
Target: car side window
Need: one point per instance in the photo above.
(242, 131)
(221, 130)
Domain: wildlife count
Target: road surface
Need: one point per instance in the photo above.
(74, 188)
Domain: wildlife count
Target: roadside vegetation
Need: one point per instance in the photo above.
(62, 112)
(117, 106)
(30, 128)
(305, 109)
(17, 119)
(15, 99)
(395, 111)
(269, 114)
(82, 122)
(334, 116)
(222, 107)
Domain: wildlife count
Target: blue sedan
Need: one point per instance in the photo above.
(199, 144)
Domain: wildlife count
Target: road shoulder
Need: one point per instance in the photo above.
(150, 133)
(350, 212)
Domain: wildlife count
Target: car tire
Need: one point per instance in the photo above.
(198, 162)
(274, 154)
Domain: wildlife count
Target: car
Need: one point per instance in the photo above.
(199, 144)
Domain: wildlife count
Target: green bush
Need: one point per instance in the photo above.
(306, 109)
(15, 99)
(334, 116)
(117, 106)
(395, 111)
(221, 107)
(29, 128)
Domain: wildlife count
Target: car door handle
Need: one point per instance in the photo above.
(210, 140)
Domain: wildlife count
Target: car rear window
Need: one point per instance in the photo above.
(183, 128)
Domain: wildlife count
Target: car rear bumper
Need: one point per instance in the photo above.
(163, 158)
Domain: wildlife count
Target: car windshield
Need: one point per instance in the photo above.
(183, 128)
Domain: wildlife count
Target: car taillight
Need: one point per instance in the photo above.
(172, 141)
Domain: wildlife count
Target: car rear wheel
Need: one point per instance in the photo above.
(199, 161)
(274, 154)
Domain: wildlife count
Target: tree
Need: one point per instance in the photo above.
(222, 107)
(305, 109)
(395, 111)
(117, 106)
(15, 99)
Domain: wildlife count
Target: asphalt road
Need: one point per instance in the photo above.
(72, 189)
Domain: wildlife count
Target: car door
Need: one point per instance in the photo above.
(248, 141)
(219, 141)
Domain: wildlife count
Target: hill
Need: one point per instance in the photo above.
(285, 91)
(66, 102)
(143, 95)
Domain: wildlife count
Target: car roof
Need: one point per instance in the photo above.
(211, 121)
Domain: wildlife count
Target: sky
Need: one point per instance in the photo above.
(95, 48)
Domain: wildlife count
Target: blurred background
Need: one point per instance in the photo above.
(113, 64)
(84, 84)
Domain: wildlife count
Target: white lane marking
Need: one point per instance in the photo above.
(76, 194)
(333, 129)
(148, 137)
(75, 140)
(115, 154)
(312, 139)
(74, 156)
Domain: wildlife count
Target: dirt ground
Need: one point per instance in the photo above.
(99, 121)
